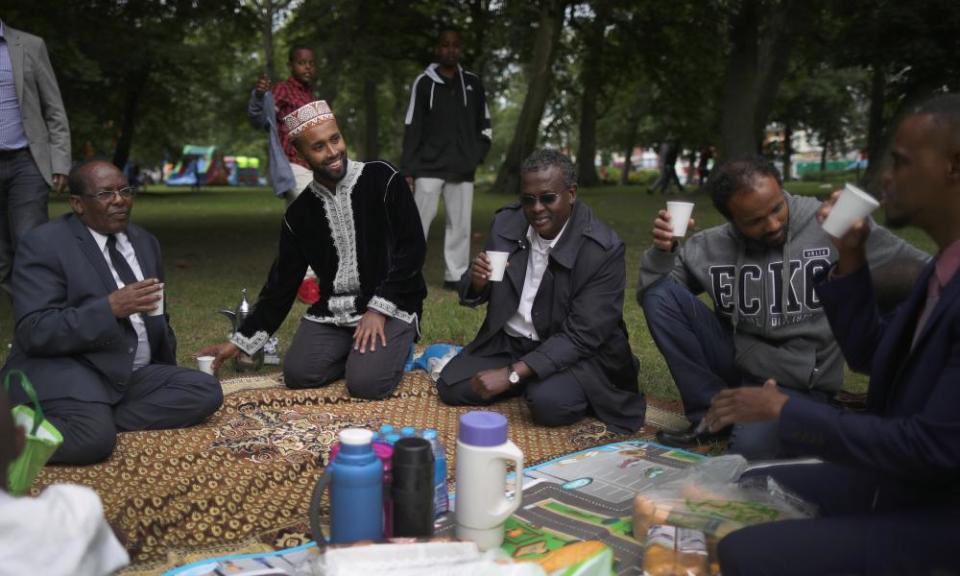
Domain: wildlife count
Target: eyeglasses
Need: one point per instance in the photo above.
(545, 199)
(105, 196)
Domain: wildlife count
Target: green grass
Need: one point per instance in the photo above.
(219, 240)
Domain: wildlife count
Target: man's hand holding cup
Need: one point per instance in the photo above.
(665, 234)
(844, 218)
(480, 271)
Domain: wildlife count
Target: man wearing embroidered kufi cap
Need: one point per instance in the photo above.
(358, 227)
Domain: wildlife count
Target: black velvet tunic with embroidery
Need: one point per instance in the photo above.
(366, 245)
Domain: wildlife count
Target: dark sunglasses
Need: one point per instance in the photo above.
(545, 199)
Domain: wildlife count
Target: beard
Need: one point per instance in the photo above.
(777, 240)
(325, 174)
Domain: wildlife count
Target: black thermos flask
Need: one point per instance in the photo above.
(411, 488)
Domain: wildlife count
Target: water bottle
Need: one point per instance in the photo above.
(441, 500)
(356, 490)
(482, 453)
(386, 429)
(411, 490)
(408, 432)
(391, 438)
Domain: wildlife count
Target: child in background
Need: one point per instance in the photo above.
(61, 532)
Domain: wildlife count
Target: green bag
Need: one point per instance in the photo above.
(43, 439)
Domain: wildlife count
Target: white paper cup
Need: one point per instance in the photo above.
(159, 309)
(680, 217)
(852, 205)
(205, 364)
(498, 264)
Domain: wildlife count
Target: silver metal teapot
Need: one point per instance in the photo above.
(243, 362)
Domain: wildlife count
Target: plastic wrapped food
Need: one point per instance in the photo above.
(672, 551)
(707, 497)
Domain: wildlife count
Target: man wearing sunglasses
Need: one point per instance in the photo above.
(554, 330)
(91, 330)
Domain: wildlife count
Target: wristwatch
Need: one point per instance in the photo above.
(513, 377)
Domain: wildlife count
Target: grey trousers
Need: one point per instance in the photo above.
(321, 354)
(23, 205)
(158, 396)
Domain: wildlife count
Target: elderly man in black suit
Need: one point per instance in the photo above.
(90, 329)
(554, 330)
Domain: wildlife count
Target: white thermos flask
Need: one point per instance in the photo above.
(481, 506)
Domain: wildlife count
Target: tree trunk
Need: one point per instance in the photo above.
(787, 151)
(880, 157)
(878, 85)
(478, 28)
(540, 77)
(823, 157)
(627, 164)
(591, 77)
(268, 37)
(136, 84)
(755, 67)
(630, 138)
(371, 137)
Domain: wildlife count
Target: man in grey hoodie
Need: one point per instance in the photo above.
(767, 321)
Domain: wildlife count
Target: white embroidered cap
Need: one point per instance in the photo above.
(307, 116)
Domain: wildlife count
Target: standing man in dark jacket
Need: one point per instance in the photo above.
(447, 136)
(554, 330)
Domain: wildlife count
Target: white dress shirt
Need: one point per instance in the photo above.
(142, 357)
(520, 325)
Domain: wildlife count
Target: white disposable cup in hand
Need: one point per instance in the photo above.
(680, 213)
(852, 205)
(205, 364)
(498, 264)
(159, 309)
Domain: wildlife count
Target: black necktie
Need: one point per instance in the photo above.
(119, 262)
(126, 276)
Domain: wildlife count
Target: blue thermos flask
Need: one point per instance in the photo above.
(355, 478)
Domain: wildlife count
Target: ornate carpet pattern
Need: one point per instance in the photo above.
(241, 482)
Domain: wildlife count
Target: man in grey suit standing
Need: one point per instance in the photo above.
(34, 140)
(91, 333)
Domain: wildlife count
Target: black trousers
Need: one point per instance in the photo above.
(858, 532)
(557, 400)
(23, 204)
(158, 396)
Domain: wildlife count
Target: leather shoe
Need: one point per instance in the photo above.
(689, 438)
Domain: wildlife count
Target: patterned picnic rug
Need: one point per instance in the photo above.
(242, 481)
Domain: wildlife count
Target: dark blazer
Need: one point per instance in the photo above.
(911, 433)
(67, 340)
(578, 311)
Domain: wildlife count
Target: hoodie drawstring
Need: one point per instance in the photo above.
(431, 73)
